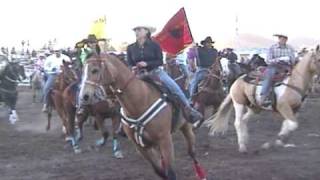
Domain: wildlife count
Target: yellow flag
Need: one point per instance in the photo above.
(98, 28)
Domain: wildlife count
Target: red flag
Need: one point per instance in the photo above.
(176, 34)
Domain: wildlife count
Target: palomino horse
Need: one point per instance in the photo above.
(12, 73)
(37, 85)
(56, 99)
(146, 117)
(210, 90)
(289, 97)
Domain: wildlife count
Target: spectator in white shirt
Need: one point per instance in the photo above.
(52, 69)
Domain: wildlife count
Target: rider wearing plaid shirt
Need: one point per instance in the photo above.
(279, 54)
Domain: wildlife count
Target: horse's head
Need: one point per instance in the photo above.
(315, 61)
(15, 71)
(98, 73)
(68, 72)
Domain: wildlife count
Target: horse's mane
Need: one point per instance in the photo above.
(307, 57)
(115, 61)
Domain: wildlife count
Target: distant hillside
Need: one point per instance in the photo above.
(301, 42)
(256, 41)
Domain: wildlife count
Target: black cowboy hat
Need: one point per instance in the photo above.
(91, 39)
(281, 35)
(207, 40)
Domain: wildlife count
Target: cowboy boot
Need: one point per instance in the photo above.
(192, 116)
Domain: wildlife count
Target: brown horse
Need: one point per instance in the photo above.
(210, 90)
(102, 109)
(56, 98)
(289, 96)
(149, 128)
(176, 74)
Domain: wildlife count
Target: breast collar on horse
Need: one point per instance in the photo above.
(138, 124)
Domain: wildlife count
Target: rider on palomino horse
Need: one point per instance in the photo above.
(206, 58)
(280, 55)
(145, 54)
(52, 68)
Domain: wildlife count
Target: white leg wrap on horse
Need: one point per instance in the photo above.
(64, 129)
(288, 126)
(241, 127)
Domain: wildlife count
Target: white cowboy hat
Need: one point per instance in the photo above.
(149, 28)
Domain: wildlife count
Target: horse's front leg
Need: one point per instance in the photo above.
(13, 116)
(153, 157)
(190, 139)
(167, 157)
(80, 119)
(289, 125)
(117, 153)
(105, 134)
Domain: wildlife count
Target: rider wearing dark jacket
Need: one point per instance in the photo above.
(207, 56)
(150, 52)
(232, 64)
(147, 54)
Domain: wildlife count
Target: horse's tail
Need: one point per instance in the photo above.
(218, 123)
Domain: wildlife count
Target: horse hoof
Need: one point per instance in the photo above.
(118, 155)
(100, 142)
(266, 146)
(77, 151)
(67, 139)
(279, 143)
(243, 150)
(289, 146)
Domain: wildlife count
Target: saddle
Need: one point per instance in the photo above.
(257, 76)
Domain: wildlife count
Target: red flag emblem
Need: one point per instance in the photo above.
(176, 34)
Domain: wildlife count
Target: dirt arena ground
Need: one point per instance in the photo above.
(28, 152)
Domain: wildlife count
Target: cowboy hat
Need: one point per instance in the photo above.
(80, 44)
(207, 40)
(148, 28)
(281, 35)
(91, 39)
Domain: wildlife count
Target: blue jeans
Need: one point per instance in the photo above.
(198, 77)
(47, 86)
(184, 70)
(171, 85)
(267, 82)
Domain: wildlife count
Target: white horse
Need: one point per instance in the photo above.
(289, 97)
